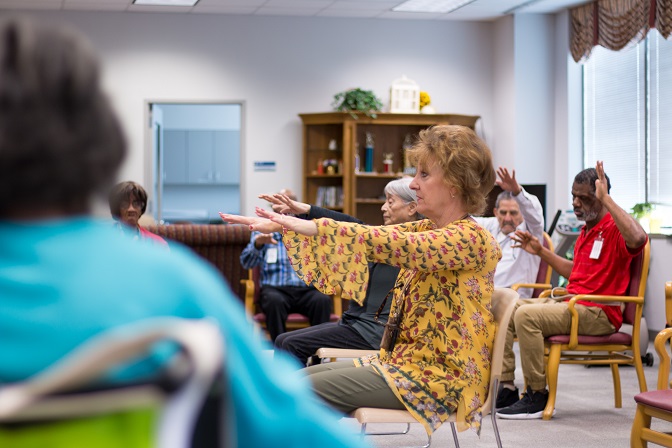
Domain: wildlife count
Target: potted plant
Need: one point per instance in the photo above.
(642, 213)
(642, 210)
(357, 100)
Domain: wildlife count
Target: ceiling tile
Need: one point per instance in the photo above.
(478, 10)
(225, 9)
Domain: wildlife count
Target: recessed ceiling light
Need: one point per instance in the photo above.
(442, 6)
(165, 2)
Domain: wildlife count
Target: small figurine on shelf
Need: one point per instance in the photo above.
(357, 158)
(387, 162)
(368, 153)
(405, 147)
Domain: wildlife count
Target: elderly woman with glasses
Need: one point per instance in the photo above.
(128, 202)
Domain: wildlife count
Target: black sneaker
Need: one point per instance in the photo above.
(506, 397)
(529, 407)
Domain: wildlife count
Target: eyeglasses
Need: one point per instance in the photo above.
(136, 204)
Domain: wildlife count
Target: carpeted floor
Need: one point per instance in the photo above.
(585, 416)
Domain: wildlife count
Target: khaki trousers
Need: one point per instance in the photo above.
(535, 319)
(346, 387)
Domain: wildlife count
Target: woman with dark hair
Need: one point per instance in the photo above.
(128, 202)
(66, 277)
(436, 350)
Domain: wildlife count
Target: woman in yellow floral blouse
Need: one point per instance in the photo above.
(439, 363)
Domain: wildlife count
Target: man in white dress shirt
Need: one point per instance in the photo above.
(515, 209)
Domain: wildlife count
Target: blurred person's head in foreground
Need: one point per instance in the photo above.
(60, 142)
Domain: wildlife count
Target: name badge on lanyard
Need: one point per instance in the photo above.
(597, 247)
(272, 255)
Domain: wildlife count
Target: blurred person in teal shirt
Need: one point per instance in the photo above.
(65, 276)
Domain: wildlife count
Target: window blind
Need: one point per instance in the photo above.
(614, 106)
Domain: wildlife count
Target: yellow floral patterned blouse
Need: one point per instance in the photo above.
(441, 361)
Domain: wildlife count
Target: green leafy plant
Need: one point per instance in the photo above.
(641, 210)
(357, 100)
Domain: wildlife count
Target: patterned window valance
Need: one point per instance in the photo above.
(615, 24)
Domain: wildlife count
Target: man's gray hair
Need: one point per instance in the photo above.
(503, 196)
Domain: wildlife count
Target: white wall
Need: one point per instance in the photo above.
(516, 73)
(280, 67)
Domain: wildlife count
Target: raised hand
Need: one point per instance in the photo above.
(601, 184)
(302, 226)
(508, 181)
(254, 222)
(526, 241)
(281, 203)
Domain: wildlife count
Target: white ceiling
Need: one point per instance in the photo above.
(483, 10)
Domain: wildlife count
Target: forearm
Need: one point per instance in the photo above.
(632, 232)
(532, 212)
(319, 212)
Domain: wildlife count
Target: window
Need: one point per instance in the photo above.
(627, 116)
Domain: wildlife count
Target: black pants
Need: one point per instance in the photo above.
(277, 302)
(304, 343)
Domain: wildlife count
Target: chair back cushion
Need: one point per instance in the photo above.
(639, 270)
(542, 273)
(220, 244)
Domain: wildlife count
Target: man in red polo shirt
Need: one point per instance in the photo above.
(603, 252)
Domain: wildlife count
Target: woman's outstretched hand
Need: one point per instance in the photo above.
(281, 203)
(262, 225)
(302, 226)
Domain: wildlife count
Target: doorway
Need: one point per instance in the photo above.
(196, 152)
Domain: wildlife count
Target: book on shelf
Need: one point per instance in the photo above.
(329, 197)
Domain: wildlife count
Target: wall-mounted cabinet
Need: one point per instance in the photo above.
(198, 157)
(334, 157)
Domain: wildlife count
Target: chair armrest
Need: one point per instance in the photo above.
(249, 285)
(668, 303)
(574, 329)
(517, 286)
(338, 304)
(333, 353)
(547, 293)
(660, 344)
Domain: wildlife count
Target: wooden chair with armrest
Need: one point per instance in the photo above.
(619, 348)
(503, 302)
(543, 280)
(656, 403)
(294, 320)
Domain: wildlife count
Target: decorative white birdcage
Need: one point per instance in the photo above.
(404, 96)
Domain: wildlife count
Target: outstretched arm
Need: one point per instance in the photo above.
(298, 225)
(632, 232)
(262, 225)
(281, 203)
(531, 244)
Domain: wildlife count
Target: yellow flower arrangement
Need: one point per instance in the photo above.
(424, 99)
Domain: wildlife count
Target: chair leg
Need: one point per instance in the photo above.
(641, 421)
(618, 402)
(364, 433)
(452, 428)
(640, 373)
(552, 378)
(496, 429)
